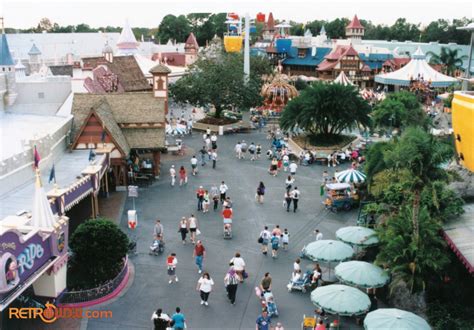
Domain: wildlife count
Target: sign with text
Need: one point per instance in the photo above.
(132, 191)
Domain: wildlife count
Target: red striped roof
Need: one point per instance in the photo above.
(351, 51)
(355, 24)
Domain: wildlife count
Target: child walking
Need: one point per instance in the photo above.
(285, 239)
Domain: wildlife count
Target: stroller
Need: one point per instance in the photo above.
(302, 284)
(268, 302)
(157, 247)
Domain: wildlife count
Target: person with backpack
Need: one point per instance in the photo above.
(252, 150)
(178, 320)
(231, 282)
(258, 150)
(263, 239)
(295, 196)
(244, 148)
(287, 200)
(275, 245)
(260, 192)
(161, 321)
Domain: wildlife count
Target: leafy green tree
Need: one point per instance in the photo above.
(401, 30)
(326, 110)
(98, 247)
(337, 28)
(315, 26)
(173, 27)
(297, 29)
(84, 28)
(220, 82)
(300, 84)
(411, 259)
(449, 59)
(400, 110)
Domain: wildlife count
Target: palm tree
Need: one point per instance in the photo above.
(449, 58)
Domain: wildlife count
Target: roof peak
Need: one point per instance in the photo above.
(34, 50)
(191, 42)
(355, 24)
(127, 39)
(5, 55)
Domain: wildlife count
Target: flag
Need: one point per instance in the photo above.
(91, 155)
(37, 158)
(102, 137)
(52, 175)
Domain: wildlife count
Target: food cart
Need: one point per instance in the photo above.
(340, 196)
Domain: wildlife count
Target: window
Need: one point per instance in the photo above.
(301, 53)
(41, 95)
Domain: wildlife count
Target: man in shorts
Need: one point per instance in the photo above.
(194, 162)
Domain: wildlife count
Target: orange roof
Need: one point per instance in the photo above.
(191, 42)
(336, 53)
(326, 65)
(355, 24)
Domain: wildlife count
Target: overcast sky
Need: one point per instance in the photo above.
(148, 13)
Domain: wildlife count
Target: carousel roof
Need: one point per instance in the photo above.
(418, 67)
(279, 83)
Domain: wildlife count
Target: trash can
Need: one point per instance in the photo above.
(132, 219)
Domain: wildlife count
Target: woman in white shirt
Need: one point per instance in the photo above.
(183, 229)
(204, 286)
(193, 226)
(239, 266)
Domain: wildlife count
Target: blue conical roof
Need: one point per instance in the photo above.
(34, 50)
(5, 55)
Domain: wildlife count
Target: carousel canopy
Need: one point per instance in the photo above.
(417, 68)
(342, 79)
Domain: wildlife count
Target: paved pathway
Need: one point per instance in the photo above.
(150, 288)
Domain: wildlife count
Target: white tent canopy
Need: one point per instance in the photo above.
(343, 80)
(418, 67)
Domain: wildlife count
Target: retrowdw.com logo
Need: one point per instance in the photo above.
(51, 313)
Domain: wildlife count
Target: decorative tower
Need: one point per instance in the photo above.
(7, 67)
(108, 53)
(191, 49)
(355, 30)
(34, 54)
(20, 69)
(127, 43)
(160, 83)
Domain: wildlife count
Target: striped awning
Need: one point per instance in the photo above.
(351, 176)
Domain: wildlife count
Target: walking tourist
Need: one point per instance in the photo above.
(318, 234)
(172, 175)
(158, 229)
(266, 283)
(171, 263)
(243, 148)
(214, 141)
(223, 190)
(263, 321)
(286, 162)
(193, 227)
(203, 153)
(206, 202)
(289, 182)
(214, 159)
(183, 229)
(287, 200)
(260, 192)
(204, 286)
(194, 162)
(161, 320)
(227, 204)
(200, 197)
(273, 167)
(295, 196)
(178, 320)
(239, 266)
(258, 150)
(279, 326)
(231, 281)
(238, 150)
(252, 149)
(297, 265)
(199, 253)
(214, 195)
(293, 168)
(277, 230)
(263, 239)
(285, 239)
(183, 176)
(275, 245)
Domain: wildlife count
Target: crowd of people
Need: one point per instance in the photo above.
(214, 197)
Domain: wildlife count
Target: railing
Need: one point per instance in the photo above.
(74, 297)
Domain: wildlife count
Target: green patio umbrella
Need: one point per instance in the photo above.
(341, 299)
(351, 176)
(328, 251)
(394, 319)
(361, 274)
(356, 235)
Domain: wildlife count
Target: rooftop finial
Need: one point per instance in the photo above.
(2, 26)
